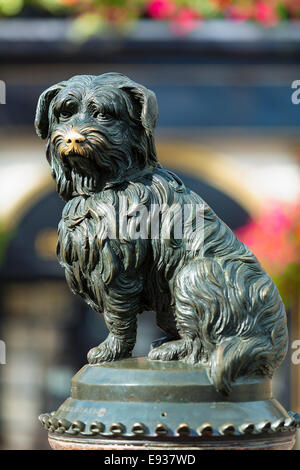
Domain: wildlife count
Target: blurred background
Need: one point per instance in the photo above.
(222, 71)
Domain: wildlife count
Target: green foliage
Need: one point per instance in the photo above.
(11, 7)
(55, 7)
(288, 283)
(86, 26)
(282, 11)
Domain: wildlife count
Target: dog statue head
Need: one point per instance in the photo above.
(100, 131)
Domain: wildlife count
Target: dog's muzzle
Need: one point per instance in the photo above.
(73, 141)
(75, 145)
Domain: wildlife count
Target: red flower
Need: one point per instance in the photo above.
(240, 12)
(222, 4)
(161, 9)
(266, 13)
(185, 21)
(293, 7)
(69, 3)
(274, 238)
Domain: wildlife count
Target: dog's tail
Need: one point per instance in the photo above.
(260, 349)
(235, 357)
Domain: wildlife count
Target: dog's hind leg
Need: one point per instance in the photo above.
(122, 304)
(166, 322)
(188, 347)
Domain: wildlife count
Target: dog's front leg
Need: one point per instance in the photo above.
(120, 341)
(122, 304)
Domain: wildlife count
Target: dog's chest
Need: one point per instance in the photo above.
(78, 235)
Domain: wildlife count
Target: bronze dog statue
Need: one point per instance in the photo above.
(209, 292)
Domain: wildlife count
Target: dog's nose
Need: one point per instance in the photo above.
(73, 137)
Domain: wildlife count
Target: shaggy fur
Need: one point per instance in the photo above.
(211, 295)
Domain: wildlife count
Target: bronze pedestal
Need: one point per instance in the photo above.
(141, 404)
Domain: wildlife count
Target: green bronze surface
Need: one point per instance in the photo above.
(138, 398)
(142, 380)
(132, 238)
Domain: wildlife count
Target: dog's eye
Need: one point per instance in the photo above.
(66, 113)
(103, 116)
(67, 110)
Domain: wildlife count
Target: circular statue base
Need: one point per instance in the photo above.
(268, 443)
(141, 404)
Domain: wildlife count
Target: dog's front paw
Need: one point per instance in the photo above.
(170, 350)
(110, 350)
(100, 354)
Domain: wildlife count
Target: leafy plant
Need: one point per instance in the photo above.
(91, 16)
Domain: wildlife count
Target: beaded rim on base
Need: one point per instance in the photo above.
(115, 430)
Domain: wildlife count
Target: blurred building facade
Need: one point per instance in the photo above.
(227, 126)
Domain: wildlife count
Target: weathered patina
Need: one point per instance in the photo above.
(132, 238)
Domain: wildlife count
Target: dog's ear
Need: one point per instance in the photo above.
(41, 118)
(148, 102)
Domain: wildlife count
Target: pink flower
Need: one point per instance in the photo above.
(221, 3)
(298, 233)
(266, 13)
(69, 3)
(274, 238)
(185, 21)
(239, 12)
(161, 9)
(293, 6)
(278, 220)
